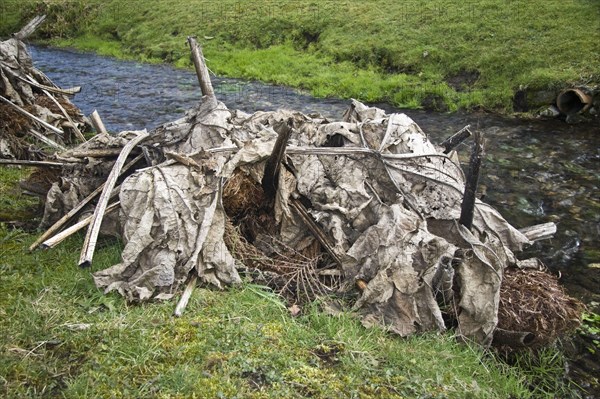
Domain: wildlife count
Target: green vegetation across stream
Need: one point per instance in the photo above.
(441, 55)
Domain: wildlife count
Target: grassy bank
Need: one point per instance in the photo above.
(444, 55)
(62, 337)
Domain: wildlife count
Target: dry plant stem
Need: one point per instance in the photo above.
(56, 90)
(46, 140)
(31, 81)
(31, 163)
(60, 158)
(97, 123)
(60, 237)
(70, 215)
(35, 118)
(201, 68)
(185, 297)
(451, 142)
(87, 252)
(62, 221)
(98, 153)
(468, 204)
(539, 232)
(64, 112)
(297, 270)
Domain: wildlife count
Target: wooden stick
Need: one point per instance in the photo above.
(60, 237)
(62, 221)
(69, 215)
(35, 118)
(31, 81)
(29, 28)
(31, 163)
(468, 204)
(97, 123)
(185, 297)
(46, 140)
(270, 178)
(539, 232)
(89, 246)
(451, 142)
(68, 159)
(64, 112)
(71, 91)
(201, 68)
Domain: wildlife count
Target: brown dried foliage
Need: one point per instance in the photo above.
(251, 230)
(13, 129)
(12, 122)
(40, 181)
(533, 301)
(45, 102)
(241, 195)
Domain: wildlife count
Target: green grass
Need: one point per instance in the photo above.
(14, 205)
(62, 337)
(406, 53)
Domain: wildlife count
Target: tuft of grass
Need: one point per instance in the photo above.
(544, 370)
(447, 55)
(14, 205)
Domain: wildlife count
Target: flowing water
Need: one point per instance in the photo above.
(535, 171)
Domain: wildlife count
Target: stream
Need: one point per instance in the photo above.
(535, 171)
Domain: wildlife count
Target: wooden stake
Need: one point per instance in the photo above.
(270, 178)
(451, 142)
(468, 204)
(185, 297)
(89, 246)
(201, 68)
(35, 118)
(97, 123)
(29, 28)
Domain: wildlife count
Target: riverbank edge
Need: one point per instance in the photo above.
(533, 104)
(496, 60)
